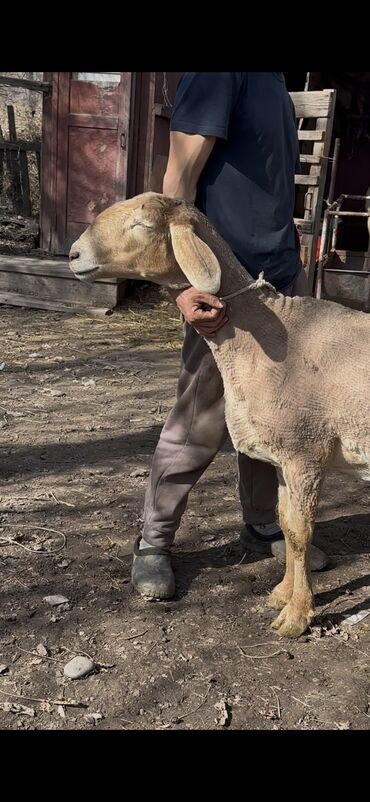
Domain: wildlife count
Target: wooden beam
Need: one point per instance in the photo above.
(17, 299)
(313, 104)
(20, 144)
(35, 86)
(51, 268)
(305, 226)
(309, 158)
(316, 136)
(307, 180)
(348, 214)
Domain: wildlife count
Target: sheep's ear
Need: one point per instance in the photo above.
(195, 259)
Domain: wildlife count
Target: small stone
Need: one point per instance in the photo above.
(80, 666)
(64, 564)
(223, 713)
(53, 393)
(318, 559)
(20, 710)
(139, 473)
(107, 543)
(42, 650)
(3, 668)
(93, 718)
(54, 601)
(47, 707)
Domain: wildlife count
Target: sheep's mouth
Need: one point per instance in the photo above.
(87, 272)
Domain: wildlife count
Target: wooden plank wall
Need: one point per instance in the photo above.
(315, 113)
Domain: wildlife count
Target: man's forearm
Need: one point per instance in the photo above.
(180, 185)
(187, 158)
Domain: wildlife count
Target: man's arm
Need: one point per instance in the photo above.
(187, 158)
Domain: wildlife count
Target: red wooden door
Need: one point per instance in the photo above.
(91, 116)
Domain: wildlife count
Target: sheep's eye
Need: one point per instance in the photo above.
(142, 225)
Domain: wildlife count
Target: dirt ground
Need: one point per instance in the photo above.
(82, 405)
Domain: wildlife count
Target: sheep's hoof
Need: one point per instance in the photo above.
(279, 596)
(292, 621)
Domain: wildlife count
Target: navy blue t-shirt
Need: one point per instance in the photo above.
(246, 188)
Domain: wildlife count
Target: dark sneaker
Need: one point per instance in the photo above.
(259, 537)
(269, 539)
(318, 558)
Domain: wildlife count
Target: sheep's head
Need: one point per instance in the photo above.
(148, 237)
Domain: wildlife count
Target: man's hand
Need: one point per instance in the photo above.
(205, 312)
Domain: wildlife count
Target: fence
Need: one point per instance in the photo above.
(15, 168)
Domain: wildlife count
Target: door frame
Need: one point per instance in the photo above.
(145, 111)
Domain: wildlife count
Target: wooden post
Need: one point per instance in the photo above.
(14, 163)
(2, 157)
(18, 159)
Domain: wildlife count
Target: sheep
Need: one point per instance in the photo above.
(296, 371)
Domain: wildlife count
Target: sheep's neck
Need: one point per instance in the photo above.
(256, 326)
(234, 279)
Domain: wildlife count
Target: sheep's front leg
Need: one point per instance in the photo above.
(282, 593)
(297, 514)
(298, 613)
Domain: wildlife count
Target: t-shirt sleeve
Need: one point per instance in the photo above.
(204, 103)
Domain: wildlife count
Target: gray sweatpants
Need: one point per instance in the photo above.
(194, 432)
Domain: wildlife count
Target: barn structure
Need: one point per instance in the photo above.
(105, 137)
